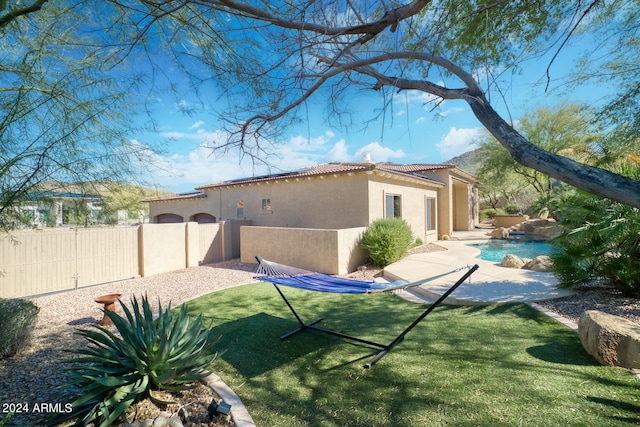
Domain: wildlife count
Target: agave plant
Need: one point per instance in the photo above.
(169, 352)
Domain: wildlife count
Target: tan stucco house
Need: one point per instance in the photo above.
(434, 199)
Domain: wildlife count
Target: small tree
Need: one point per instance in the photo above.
(387, 240)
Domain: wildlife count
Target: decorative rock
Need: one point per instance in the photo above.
(512, 261)
(611, 340)
(499, 233)
(159, 421)
(544, 213)
(539, 263)
(164, 421)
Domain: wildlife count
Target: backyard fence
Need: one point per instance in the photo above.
(34, 262)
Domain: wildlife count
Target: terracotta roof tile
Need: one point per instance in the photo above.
(322, 169)
(188, 196)
(317, 170)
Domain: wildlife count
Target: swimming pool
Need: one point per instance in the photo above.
(495, 250)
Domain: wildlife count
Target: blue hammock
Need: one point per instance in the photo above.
(325, 283)
(279, 274)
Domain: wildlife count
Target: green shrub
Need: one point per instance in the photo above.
(17, 322)
(600, 240)
(514, 208)
(169, 352)
(489, 213)
(387, 240)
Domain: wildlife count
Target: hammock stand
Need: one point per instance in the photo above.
(279, 274)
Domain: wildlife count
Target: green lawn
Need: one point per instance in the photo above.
(503, 365)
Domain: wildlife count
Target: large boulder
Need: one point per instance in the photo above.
(612, 340)
(539, 263)
(499, 233)
(512, 261)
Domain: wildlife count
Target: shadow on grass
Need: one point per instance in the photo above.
(621, 406)
(498, 365)
(251, 345)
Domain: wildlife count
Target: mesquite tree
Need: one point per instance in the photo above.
(273, 57)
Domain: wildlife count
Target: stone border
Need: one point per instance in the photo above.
(239, 413)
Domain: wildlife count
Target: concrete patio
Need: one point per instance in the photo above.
(490, 284)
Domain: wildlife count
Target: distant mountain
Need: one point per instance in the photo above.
(469, 161)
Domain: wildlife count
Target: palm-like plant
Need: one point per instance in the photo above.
(169, 352)
(601, 239)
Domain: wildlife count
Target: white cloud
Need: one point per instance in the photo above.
(458, 141)
(423, 98)
(197, 124)
(339, 152)
(420, 120)
(379, 153)
(186, 169)
(174, 135)
(450, 111)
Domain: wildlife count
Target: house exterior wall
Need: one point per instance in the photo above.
(325, 202)
(413, 199)
(457, 202)
(335, 201)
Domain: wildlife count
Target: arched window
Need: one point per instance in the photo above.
(168, 218)
(203, 218)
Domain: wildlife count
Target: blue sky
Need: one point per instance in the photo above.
(411, 131)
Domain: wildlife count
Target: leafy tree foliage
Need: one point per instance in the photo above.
(601, 240)
(564, 130)
(272, 58)
(66, 101)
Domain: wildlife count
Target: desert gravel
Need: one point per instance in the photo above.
(35, 375)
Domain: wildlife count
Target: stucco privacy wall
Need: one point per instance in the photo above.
(34, 262)
(39, 261)
(327, 251)
(168, 247)
(164, 247)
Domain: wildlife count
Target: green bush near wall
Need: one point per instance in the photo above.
(387, 240)
(17, 323)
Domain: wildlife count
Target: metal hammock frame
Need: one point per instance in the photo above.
(272, 272)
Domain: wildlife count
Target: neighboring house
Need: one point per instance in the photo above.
(434, 199)
(56, 208)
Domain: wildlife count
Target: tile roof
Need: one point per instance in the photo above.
(410, 170)
(187, 196)
(322, 169)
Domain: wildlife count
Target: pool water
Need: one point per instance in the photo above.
(495, 250)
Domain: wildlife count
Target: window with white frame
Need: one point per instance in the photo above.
(240, 209)
(266, 205)
(430, 213)
(392, 205)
